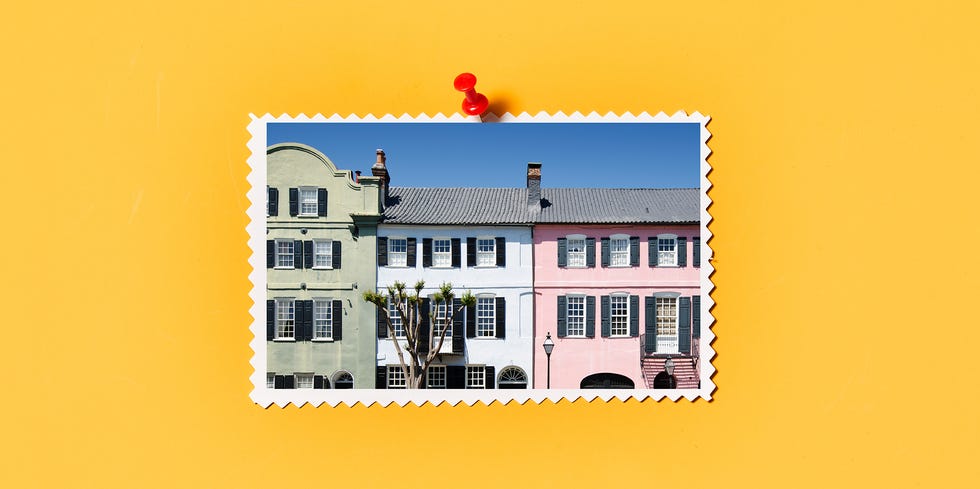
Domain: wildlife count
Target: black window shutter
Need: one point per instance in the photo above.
(381, 377)
(562, 316)
(652, 251)
(590, 316)
(270, 320)
(457, 327)
(681, 251)
(382, 324)
(455, 377)
(634, 251)
(590, 252)
(501, 317)
(299, 320)
(289, 381)
(293, 201)
(318, 382)
(297, 253)
(279, 382)
(321, 202)
(471, 322)
(696, 314)
(423, 339)
(336, 258)
(562, 252)
(273, 201)
(605, 316)
(684, 326)
(651, 324)
(471, 252)
(308, 320)
(410, 252)
(454, 245)
(382, 252)
(501, 252)
(337, 316)
(696, 242)
(270, 253)
(634, 316)
(426, 252)
(605, 251)
(308, 254)
(490, 376)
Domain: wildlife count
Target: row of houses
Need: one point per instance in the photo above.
(610, 276)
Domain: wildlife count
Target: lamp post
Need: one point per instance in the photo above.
(669, 368)
(548, 347)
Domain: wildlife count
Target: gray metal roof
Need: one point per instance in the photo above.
(417, 205)
(454, 205)
(620, 205)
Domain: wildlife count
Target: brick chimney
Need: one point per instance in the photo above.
(380, 170)
(534, 184)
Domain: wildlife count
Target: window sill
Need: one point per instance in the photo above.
(486, 266)
(441, 267)
(484, 338)
(398, 266)
(306, 216)
(284, 268)
(575, 337)
(322, 268)
(284, 340)
(323, 340)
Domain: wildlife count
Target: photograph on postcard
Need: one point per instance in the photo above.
(452, 260)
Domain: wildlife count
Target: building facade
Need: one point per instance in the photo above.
(320, 246)
(478, 240)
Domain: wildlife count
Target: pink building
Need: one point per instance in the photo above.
(616, 285)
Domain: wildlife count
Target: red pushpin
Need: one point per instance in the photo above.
(474, 103)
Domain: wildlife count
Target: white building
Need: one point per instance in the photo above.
(479, 240)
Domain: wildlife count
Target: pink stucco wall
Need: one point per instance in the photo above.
(575, 358)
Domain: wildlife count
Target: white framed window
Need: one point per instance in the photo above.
(476, 377)
(440, 313)
(285, 253)
(322, 253)
(397, 252)
(307, 201)
(486, 317)
(396, 377)
(270, 380)
(666, 324)
(486, 252)
(436, 377)
(619, 251)
(576, 251)
(322, 319)
(285, 318)
(304, 381)
(575, 316)
(442, 253)
(396, 320)
(619, 315)
(667, 250)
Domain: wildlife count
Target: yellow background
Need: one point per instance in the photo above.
(844, 163)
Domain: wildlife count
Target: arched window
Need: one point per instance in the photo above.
(512, 378)
(606, 381)
(343, 380)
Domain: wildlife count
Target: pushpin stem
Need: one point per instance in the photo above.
(475, 103)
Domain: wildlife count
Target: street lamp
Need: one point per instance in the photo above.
(548, 346)
(669, 368)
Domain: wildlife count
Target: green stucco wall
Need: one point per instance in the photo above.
(295, 165)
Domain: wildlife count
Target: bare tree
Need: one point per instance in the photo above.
(408, 306)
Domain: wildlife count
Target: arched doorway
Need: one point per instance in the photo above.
(663, 380)
(606, 381)
(512, 378)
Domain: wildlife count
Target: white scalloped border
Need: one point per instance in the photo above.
(256, 235)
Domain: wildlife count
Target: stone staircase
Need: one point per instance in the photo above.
(685, 371)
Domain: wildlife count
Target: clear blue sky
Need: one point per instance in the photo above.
(611, 155)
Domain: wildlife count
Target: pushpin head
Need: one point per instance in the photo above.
(474, 103)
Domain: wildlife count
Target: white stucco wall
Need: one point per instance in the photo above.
(513, 282)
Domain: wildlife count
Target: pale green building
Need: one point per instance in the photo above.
(321, 247)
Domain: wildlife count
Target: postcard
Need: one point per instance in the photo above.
(458, 260)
